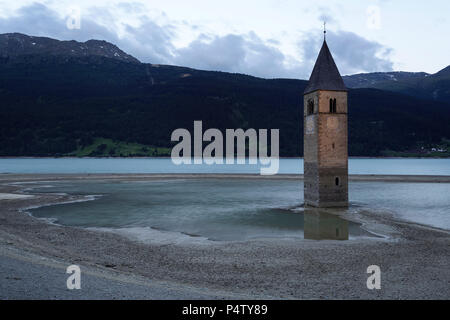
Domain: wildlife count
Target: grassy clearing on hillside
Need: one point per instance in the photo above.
(102, 147)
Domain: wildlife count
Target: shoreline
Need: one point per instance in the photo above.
(17, 177)
(414, 258)
(168, 157)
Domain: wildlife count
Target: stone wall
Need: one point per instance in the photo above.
(326, 150)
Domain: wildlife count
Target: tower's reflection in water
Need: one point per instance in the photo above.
(320, 225)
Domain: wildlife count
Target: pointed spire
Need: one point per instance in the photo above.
(325, 75)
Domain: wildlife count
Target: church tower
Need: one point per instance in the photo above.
(325, 135)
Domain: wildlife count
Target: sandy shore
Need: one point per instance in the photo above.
(414, 259)
(14, 196)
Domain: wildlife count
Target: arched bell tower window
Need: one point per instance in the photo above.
(310, 106)
(332, 105)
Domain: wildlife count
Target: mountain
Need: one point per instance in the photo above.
(417, 84)
(58, 104)
(17, 44)
(374, 79)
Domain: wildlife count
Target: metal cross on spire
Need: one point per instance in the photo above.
(324, 30)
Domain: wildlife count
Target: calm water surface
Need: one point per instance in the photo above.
(164, 165)
(236, 209)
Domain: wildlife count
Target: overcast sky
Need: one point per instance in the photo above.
(267, 38)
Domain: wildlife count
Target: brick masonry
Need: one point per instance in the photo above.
(326, 150)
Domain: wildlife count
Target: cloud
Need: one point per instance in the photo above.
(38, 20)
(148, 42)
(352, 53)
(153, 42)
(246, 53)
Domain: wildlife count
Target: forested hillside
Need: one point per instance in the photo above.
(54, 105)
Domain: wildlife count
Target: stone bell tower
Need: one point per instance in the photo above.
(325, 135)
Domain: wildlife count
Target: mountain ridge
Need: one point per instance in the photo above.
(54, 105)
(17, 44)
(417, 84)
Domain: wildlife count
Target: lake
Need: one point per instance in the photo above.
(403, 166)
(170, 210)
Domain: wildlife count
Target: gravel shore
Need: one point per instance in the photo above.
(414, 259)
